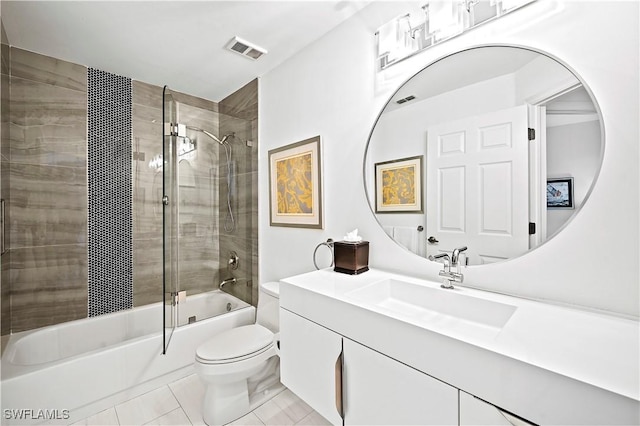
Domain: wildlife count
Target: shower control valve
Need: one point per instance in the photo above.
(234, 260)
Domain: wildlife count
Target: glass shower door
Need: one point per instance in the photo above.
(169, 216)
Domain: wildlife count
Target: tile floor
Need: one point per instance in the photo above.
(180, 403)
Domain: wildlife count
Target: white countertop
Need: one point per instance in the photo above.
(568, 347)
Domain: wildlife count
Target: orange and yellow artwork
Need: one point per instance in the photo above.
(294, 185)
(398, 186)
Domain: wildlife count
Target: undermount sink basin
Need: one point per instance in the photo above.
(432, 304)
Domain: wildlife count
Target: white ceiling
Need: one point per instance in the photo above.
(177, 43)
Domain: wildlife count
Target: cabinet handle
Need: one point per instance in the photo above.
(338, 384)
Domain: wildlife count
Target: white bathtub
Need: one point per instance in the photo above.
(86, 365)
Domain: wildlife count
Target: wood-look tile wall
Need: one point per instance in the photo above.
(45, 162)
(48, 199)
(147, 191)
(239, 116)
(5, 307)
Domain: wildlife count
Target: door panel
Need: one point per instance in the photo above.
(477, 185)
(169, 218)
(308, 356)
(382, 391)
(452, 211)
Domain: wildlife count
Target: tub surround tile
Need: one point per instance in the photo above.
(144, 128)
(46, 307)
(243, 103)
(239, 115)
(48, 285)
(3, 34)
(5, 128)
(195, 101)
(147, 271)
(48, 267)
(151, 95)
(4, 58)
(147, 407)
(34, 104)
(49, 144)
(147, 94)
(48, 140)
(48, 124)
(5, 320)
(242, 154)
(48, 205)
(48, 70)
(200, 113)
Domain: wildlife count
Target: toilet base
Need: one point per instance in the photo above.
(229, 397)
(233, 402)
(224, 402)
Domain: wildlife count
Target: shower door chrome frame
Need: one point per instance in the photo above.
(169, 217)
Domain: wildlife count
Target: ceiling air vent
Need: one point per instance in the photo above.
(245, 48)
(407, 99)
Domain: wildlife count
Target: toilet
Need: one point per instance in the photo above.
(240, 367)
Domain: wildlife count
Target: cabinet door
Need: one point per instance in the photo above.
(308, 357)
(476, 412)
(381, 391)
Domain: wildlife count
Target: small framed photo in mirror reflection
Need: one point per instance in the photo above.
(399, 186)
(560, 193)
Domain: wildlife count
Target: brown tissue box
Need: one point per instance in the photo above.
(351, 258)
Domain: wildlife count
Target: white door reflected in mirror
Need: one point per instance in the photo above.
(493, 125)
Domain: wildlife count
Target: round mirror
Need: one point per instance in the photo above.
(493, 148)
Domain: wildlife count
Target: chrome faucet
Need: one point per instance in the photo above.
(455, 257)
(447, 275)
(227, 281)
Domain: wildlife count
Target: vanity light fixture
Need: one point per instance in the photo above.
(436, 21)
(244, 48)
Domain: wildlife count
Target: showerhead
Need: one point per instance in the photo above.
(212, 136)
(222, 141)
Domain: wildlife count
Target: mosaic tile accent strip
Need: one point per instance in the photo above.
(110, 219)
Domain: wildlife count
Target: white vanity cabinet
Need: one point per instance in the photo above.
(334, 374)
(308, 357)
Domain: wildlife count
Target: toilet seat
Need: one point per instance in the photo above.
(235, 345)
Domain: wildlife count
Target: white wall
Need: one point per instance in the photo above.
(332, 90)
(573, 150)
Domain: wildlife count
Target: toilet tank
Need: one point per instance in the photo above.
(268, 312)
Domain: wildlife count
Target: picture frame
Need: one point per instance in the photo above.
(560, 193)
(295, 186)
(398, 185)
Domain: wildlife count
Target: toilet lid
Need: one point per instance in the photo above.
(272, 288)
(235, 343)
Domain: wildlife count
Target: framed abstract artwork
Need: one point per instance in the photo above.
(399, 186)
(295, 187)
(560, 193)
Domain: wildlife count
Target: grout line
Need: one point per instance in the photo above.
(117, 417)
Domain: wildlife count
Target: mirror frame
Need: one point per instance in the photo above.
(366, 165)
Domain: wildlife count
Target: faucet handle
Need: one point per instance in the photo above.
(438, 256)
